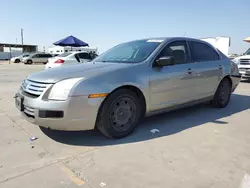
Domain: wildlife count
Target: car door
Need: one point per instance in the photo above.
(84, 57)
(36, 58)
(172, 85)
(208, 68)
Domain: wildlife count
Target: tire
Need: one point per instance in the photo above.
(119, 114)
(223, 94)
(29, 62)
(17, 61)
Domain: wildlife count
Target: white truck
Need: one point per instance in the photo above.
(243, 63)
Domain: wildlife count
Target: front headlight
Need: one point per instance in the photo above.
(236, 61)
(60, 90)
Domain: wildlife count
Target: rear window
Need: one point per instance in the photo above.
(64, 54)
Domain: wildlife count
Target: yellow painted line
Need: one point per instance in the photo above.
(72, 176)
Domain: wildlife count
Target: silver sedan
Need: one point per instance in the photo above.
(130, 81)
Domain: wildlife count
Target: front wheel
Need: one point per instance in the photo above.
(17, 61)
(223, 94)
(29, 62)
(119, 114)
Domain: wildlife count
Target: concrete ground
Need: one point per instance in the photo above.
(195, 147)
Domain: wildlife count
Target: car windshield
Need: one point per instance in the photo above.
(26, 55)
(64, 54)
(130, 52)
(247, 52)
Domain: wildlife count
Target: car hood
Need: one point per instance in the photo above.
(243, 57)
(85, 70)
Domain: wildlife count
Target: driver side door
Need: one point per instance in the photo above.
(172, 85)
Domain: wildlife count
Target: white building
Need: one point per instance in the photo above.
(62, 49)
(221, 43)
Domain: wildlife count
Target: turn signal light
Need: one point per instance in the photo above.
(98, 95)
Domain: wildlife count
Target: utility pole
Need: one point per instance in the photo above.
(22, 38)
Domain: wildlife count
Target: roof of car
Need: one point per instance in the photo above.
(168, 38)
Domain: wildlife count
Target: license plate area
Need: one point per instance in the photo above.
(19, 102)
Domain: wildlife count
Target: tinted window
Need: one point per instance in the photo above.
(84, 56)
(202, 52)
(45, 55)
(178, 50)
(36, 56)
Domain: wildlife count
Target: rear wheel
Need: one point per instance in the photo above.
(119, 114)
(223, 94)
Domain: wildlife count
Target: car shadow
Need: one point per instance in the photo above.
(167, 124)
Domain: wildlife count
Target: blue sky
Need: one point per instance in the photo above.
(105, 23)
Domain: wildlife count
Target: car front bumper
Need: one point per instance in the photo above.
(244, 71)
(235, 81)
(76, 113)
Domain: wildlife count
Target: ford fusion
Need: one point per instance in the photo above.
(126, 83)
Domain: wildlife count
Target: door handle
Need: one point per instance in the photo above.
(220, 67)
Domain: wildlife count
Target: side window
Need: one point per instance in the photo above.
(36, 56)
(178, 50)
(202, 52)
(48, 55)
(84, 56)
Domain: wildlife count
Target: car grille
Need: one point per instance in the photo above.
(245, 61)
(34, 88)
(244, 69)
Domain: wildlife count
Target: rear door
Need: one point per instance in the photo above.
(208, 68)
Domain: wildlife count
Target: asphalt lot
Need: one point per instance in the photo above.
(195, 147)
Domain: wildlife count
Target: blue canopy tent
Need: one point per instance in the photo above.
(71, 41)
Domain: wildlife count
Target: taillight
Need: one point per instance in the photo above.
(59, 61)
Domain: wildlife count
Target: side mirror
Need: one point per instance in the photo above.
(165, 61)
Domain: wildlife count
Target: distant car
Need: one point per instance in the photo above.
(18, 59)
(69, 58)
(132, 80)
(243, 63)
(36, 58)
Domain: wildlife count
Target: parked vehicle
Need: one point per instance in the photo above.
(124, 84)
(18, 59)
(69, 58)
(36, 58)
(243, 63)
